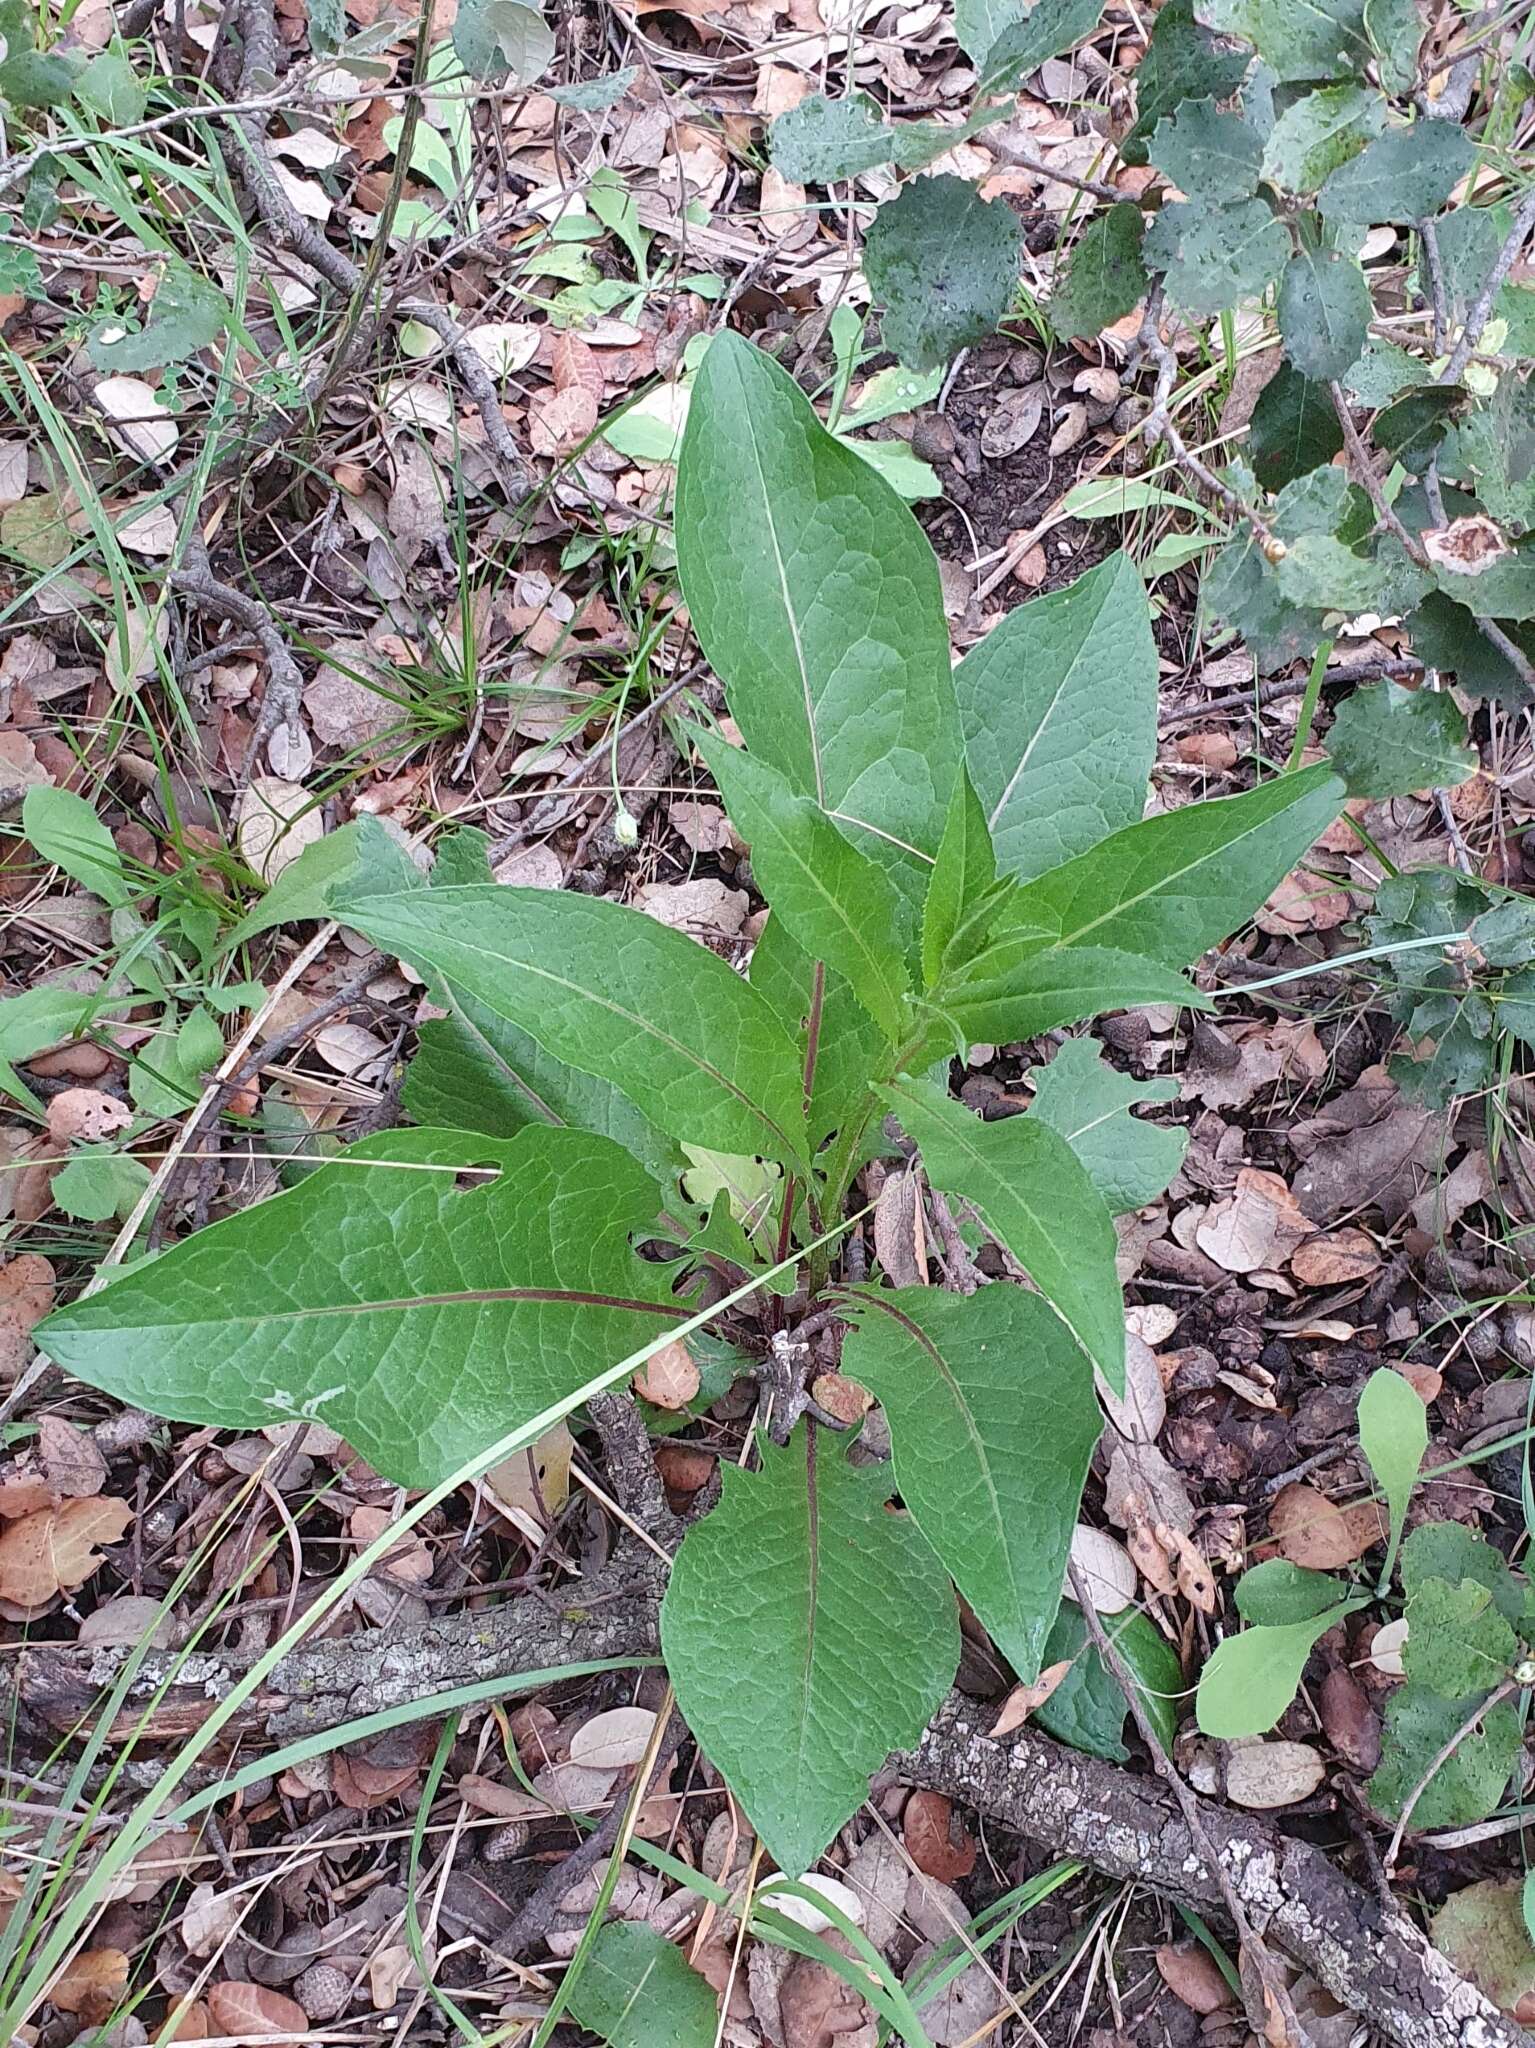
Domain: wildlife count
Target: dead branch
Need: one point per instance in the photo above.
(1126, 1826)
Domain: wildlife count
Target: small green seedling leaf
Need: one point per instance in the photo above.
(1393, 1434)
(1387, 740)
(801, 1606)
(94, 1185)
(992, 1425)
(943, 262)
(63, 828)
(637, 1990)
(1277, 1594)
(1252, 1677)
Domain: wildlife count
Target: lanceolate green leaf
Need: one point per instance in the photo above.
(1017, 988)
(961, 891)
(836, 1041)
(1171, 887)
(476, 1071)
(840, 905)
(419, 1317)
(992, 1426)
(616, 994)
(1058, 706)
(1034, 1195)
(808, 1632)
(815, 596)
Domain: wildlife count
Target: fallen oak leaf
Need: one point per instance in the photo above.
(91, 1984)
(1313, 1531)
(1023, 1700)
(54, 1550)
(240, 2008)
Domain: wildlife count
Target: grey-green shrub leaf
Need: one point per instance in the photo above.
(496, 39)
(64, 828)
(808, 1633)
(37, 78)
(1252, 1677)
(1049, 28)
(1312, 39)
(1448, 1550)
(94, 1185)
(1035, 1197)
(1458, 1644)
(961, 891)
(637, 1990)
(1324, 312)
(1170, 887)
(1472, 1780)
(1105, 277)
(1387, 740)
(1294, 429)
(1413, 426)
(815, 596)
(1214, 256)
(1181, 62)
(992, 1426)
(1318, 133)
(824, 139)
(1402, 176)
(1087, 1709)
(838, 903)
(420, 1318)
(612, 992)
(1395, 31)
(1017, 988)
(1088, 1102)
(1058, 705)
(1321, 573)
(943, 263)
(1207, 154)
(1505, 591)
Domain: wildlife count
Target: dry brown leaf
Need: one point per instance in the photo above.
(210, 1917)
(1268, 1774)
(684, 1468)
(71, 1463)
(86, 1113)
(1023, 1699)
(26, 1295)
(1335, 1260)
(54, 1551)
(574, 364)
(1192, 1976)
(185, 2020)
(407, 1563)
(238, 2008)
(703, 908)
(92, 1985)
(418, 501)
(560, 421)
(141, 421)
(841, 1397)
(900, 1238)
(1313, 1531)
(342, 708)
(1349, 1721)
(536, 1482)
(1258, 1226)
(670, 1379)
(613, 1741)
(936, 1839)
(1106, 1569)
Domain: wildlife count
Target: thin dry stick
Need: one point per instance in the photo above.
(1266, 1996)
(1364, 467)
